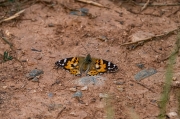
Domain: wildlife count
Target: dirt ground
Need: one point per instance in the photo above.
(47, 32)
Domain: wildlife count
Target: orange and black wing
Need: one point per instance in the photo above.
(100, 66)
(70, 64)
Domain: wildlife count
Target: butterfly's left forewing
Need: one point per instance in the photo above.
(70, 64)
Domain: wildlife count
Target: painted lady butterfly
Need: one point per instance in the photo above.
(91, 66)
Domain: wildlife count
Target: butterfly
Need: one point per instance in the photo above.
(91, 66)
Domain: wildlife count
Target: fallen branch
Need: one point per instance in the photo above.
(145, 5)
(143, 86)
(13, 17)
(158, 4)
(91, 2)
(150, 38)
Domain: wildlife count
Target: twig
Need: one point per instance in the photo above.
(145, 5)
(173, 12)
(9, 43)
(60, 112)
(14, 16)
(150, 38)
(143, 86)
(5, 40)
(91, 2)
(158, 4)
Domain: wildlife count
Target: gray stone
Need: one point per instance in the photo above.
(140, 65)
(35, 72)
(77, 94)
(50, 94)
(80, 12)
(145, 73)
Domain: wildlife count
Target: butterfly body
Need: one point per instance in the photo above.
(91, 66)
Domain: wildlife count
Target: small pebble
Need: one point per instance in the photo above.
(33, 20)
(172, 114)
(101, 95)
(73, 114)
(73, 89)
(35, 79)
(4, 87)
(84, 88)
(140, 65)
(77, 94)
(50, 95)
(103, 38)
(174, 78)
(121, 89)
(51, 25)
(176, 84)
(119, 82)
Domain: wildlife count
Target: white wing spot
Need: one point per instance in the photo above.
(109, 63)
(65, 60)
